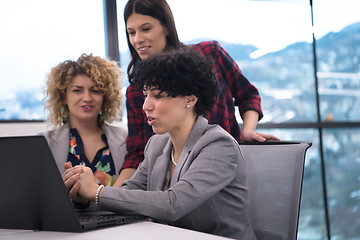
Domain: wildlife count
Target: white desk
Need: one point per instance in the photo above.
(141, 230)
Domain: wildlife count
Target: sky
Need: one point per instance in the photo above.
(268, 25)
(37, 35)
(237, 21)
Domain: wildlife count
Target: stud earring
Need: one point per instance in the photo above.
(188, 106)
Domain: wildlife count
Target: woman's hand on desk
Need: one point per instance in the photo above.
(71, 175)
(81, 183)
(71, 179)
(87, 185)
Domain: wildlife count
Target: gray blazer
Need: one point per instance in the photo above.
(208, 191)
(58, 141)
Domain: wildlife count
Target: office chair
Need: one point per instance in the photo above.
(275, 173)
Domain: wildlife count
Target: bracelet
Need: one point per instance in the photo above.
(97, 194)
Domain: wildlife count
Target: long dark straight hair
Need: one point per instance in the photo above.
(158, 9)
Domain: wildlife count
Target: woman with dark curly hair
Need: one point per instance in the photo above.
(150, 29)
(193, 175)
(81, 96)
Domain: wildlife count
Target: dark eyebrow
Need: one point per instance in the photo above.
(142, 25)
(154, 89)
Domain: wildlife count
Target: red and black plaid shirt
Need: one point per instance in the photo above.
(235, 90)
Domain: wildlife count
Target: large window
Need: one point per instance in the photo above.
(338, 73)
(338, 55)
(342, 155)
(36, 35)
(272, 42)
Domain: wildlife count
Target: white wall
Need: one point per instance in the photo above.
(21, 129)
(25, 129)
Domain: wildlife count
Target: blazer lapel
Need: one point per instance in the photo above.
(158, 178)
(60, 146)
(194, 136)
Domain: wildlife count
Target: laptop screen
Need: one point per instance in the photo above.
(33, 195)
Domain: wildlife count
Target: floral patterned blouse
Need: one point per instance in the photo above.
(102, 165)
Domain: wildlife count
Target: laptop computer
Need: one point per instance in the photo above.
(33, 195)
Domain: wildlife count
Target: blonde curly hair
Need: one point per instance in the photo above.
(106, 76)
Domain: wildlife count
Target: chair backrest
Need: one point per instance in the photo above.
(275, 175)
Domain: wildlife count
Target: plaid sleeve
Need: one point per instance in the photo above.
(245, 94)
(138, 130)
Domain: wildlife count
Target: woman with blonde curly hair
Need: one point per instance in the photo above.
(83, 96)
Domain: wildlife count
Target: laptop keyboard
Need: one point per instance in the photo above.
(101, 219)
(107, 219)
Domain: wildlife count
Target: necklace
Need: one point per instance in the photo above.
(172, 157)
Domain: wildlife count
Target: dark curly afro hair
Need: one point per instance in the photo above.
(181, 72)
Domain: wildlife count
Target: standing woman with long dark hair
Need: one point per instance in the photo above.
(150, 29)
